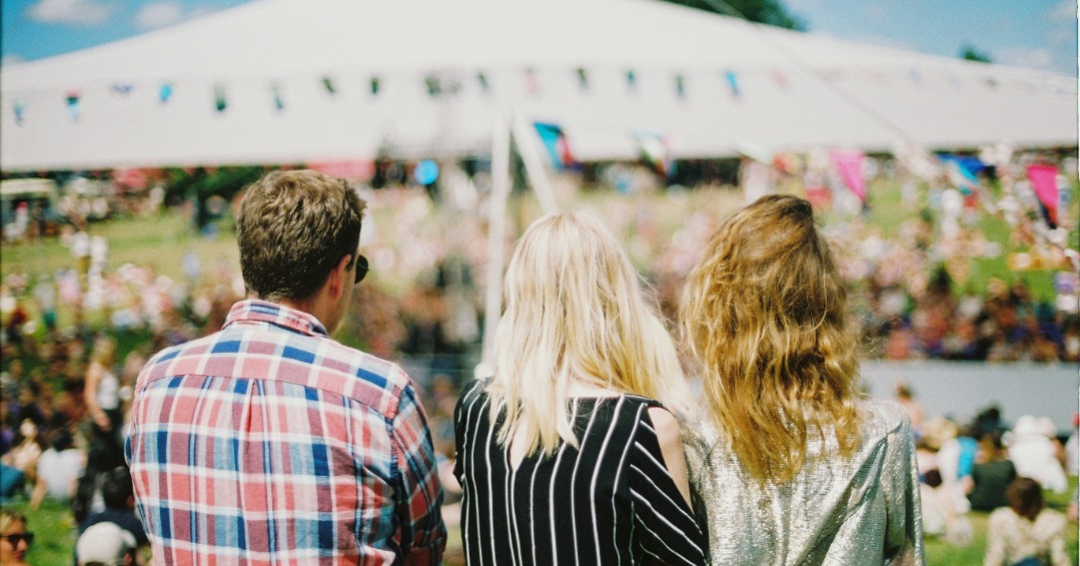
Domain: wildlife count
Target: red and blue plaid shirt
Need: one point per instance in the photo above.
(270, 443)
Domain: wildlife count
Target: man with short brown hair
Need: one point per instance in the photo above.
(269, 442)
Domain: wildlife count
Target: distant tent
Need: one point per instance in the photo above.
(286, 81)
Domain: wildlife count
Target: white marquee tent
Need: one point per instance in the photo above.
(295, 78)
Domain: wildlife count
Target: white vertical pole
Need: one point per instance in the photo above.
(500, 189)
(534, 168)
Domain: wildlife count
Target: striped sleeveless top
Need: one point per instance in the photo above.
(611, 501)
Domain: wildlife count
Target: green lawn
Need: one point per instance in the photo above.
(55, 541)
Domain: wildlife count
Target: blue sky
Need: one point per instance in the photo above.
(1032, 33)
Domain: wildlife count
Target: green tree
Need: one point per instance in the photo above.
(968, 51)
(771, 12)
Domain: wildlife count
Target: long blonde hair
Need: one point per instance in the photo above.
(764, 314)
(575, 311)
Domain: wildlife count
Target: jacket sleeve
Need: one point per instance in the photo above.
(904, 531)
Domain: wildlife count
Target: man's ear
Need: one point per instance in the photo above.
(339, 277)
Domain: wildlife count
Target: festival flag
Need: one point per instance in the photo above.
(556, 144)
(433, 84)
(165, 92)
(583, 78)
(279, 102)
(328, 84)
(849, 163)
(19, 108)
(1044, 180)
(779, 78)
(74, 111)
(220, 100)
(733, 82)
(531, 84)
(963, 171)
(655, 151)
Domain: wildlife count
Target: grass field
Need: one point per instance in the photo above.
(55, 540)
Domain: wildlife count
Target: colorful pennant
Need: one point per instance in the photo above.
(849, 163)
(1044, 180)
(165, 92)
(74, 111)
(279, 101)
(220, 100)
(556, 144)
(655, 151)
(19, 109)
(583, 78)
(733, 82)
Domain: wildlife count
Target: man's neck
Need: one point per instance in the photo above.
(314, 307)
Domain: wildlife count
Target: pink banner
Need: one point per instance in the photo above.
(849, 163)
(1044, 179)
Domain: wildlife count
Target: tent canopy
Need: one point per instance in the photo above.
(287, 81)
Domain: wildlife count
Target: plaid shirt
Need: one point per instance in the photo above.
(270, 443)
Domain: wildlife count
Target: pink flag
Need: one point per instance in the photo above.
(1044, 179)
(849, 163)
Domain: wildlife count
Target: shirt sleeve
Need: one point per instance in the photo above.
(668, 531)
(904, 534)
(423, 534)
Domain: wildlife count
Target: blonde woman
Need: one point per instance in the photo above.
(569, 454)
(793, 466)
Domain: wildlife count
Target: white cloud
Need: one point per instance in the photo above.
(70, 12)
(1024, 57)
(159, 14)
(1064, 11)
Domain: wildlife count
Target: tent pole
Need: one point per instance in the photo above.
(500, 190)
(530, 154)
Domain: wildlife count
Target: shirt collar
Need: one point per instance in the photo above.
(254, 310)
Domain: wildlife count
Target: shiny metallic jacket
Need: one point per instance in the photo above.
(861, 510)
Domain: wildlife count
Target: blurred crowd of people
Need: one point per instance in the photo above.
(990, 465)
(74, 340)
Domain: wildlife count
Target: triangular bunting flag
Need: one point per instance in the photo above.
(849, 163)
(655, 151)
(73, 106)
(165, 92)
(19, 108)
(733, 82)
(558, 148)
(1044, 180)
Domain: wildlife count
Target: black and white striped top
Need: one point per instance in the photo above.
(610, 502)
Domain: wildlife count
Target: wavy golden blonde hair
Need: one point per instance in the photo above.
(575, 310)
(764, 315)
